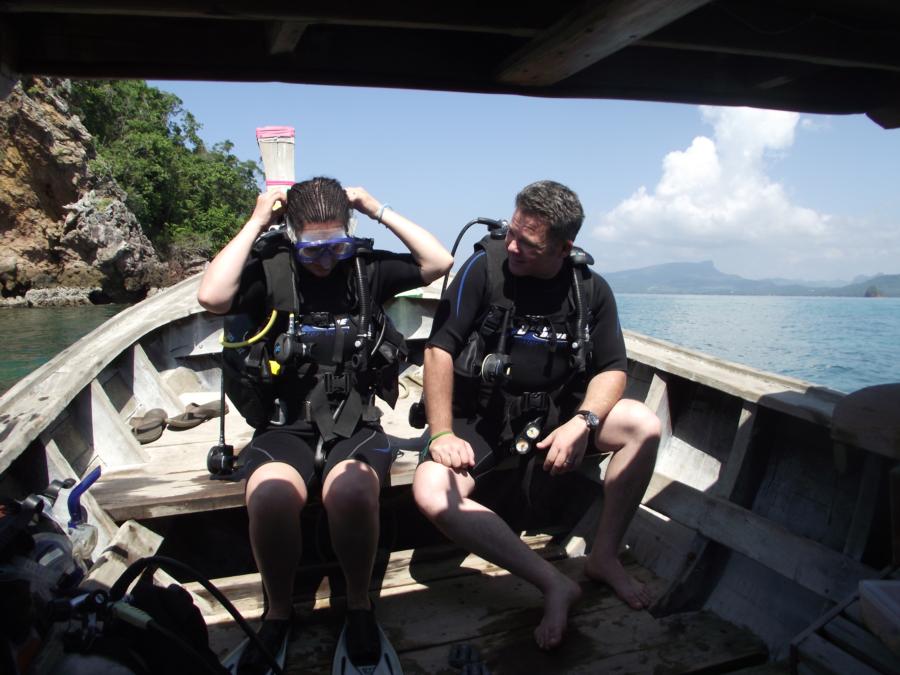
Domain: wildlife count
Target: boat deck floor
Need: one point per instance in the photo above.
(433, 598)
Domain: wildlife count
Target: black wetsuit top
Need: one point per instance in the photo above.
(539, 353)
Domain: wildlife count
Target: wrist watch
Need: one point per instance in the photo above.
(589, 418)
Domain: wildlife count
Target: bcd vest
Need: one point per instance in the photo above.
(534, 374)
(320, 367)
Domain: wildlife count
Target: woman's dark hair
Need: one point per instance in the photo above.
(317, 200)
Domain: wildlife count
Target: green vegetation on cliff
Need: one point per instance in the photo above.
(187, 197)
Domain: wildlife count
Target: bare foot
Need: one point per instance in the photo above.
(557, 602)
(612, 573)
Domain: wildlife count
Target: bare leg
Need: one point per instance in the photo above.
(631, 431)
(443, 496)
(350, 495)
(275, 495)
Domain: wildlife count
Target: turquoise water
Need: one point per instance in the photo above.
(842, 343)
(32, 336)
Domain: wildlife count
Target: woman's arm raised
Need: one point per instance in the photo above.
(221, 279)
(430, 255)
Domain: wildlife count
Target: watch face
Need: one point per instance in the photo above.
(590, 418)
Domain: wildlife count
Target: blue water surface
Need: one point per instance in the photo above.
(32, 336)
(841, 343)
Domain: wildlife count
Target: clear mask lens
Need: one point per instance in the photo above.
(339, 249)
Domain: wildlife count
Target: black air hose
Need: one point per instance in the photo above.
(581, 327)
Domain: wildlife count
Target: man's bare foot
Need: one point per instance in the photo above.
(557, 602)
(612, 573)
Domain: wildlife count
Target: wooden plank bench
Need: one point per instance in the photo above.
(175, 480)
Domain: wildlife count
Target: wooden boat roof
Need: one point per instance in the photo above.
(824, 56)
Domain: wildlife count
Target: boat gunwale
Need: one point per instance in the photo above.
(40, 389)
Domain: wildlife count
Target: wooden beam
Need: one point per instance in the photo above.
(810, 564)
(658, 401)
(693, 581)
(866, 503)
(284, 36)
(99, 423)
(728, 476)
(894, 488)
(39, 398)
(785, 394)
(867, 419)
(715, 45)
(412, 16)
(830, 659)
(588, 35)
(145, 383)
(131, 542)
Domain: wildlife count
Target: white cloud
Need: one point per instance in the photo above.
(716, 200)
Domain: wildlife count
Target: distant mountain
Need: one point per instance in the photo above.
(703, 278)
(882, 285)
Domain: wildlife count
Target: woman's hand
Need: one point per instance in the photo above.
(362, 201)
(265, 213)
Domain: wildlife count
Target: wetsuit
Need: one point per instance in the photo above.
(294, 443)
(538, 347)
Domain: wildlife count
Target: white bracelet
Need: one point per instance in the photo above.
(381, 212)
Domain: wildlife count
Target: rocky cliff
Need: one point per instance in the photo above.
(66, 236)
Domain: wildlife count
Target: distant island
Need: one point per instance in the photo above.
(702, 278)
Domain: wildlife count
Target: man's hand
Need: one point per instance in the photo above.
(452, 452)
(567, 444)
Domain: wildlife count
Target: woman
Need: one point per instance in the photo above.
(330, 358)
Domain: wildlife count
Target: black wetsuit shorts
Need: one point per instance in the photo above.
(295, 445)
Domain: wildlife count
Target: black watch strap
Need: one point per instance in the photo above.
(590, 418)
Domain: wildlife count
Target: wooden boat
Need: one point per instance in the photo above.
(766, 507)
(771, 498)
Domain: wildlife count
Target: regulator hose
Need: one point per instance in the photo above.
(117, 592)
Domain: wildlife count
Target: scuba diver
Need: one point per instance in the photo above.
(308, 388)
(526, 357)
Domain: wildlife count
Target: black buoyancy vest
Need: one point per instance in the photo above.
(473, 394)
(336, 387)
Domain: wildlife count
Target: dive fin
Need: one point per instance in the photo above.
(387, 664)
(231, 661)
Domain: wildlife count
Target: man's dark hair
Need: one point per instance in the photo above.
(554, 203)
(317, 200)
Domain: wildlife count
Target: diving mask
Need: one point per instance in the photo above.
(340, 248)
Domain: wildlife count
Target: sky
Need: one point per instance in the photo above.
(763, 194)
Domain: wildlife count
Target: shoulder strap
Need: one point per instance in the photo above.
(498, 290)
(581, 294)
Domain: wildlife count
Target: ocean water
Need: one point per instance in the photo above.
(33, 336)
(841, 343)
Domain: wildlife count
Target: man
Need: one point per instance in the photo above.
(515, 305)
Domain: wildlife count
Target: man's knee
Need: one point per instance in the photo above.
(637, 424)
(431, 489)
(647, 426)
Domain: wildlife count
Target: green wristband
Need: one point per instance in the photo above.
(430, 441)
